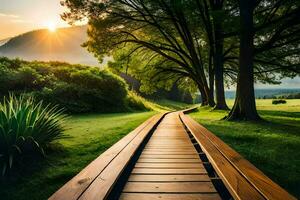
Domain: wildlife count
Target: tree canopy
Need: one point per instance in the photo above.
(201, 41)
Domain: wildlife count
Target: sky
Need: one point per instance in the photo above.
(19, 16)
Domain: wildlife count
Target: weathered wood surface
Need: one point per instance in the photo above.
(97, 179)
(242, 179)
(170, 168)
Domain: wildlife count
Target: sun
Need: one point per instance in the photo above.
(51, 26)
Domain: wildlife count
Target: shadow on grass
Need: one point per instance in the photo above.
(26, 165)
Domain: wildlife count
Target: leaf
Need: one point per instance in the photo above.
(4, 167)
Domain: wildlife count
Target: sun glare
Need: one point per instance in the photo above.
(51, 26)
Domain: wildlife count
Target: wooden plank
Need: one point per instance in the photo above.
(169, 178)
(77, 185)
(160, 196)
(183, 187)
(172, 160)
(237, 185)
(169, 165)
(170, 149)
(169, 156)
(169, 143)
(168, 133)
(168, 171)
(169, 146)
(169, 153)
(258, 179)
(170, 138)
(102, 185)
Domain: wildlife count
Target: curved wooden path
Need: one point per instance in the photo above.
(171, 157)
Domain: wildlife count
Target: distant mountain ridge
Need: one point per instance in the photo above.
(3, 41)
(266, 93)
(62, 45)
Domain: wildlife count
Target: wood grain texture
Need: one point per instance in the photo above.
(169, 178)
(244, 170)
(103, 184)
(169, 165)
(81, 182)
(169, 156)
(171, 160)
(184, 187)
(168, 171)
(170, 168)
(160, 196)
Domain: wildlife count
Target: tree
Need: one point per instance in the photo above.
(166, 28)
(192, 39)
(211, 14)
(275, 31)
(244, 106)
(153, 73)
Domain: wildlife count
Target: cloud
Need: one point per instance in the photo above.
(9, 15)
(21, 21)
(14, 18)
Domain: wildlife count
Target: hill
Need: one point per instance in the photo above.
(62, 45)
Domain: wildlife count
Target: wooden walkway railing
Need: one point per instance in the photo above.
(170, 157)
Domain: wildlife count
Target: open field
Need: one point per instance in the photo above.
(273, 146)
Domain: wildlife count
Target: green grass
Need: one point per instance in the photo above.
(169, 105)
(87, 137)
(273, 146)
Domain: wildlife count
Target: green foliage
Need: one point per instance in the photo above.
(137, 102)
(26, 126)
(278, 101)
(76, 88)
(88, 90)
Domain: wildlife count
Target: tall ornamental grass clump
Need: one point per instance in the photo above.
(26, 127)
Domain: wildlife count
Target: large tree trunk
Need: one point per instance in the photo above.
(244, 107)
(211, 74)
(219, 66)
(204, 99)
(202, 83)
(210, 96)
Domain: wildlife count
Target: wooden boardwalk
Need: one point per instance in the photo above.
(169, 167)
(170, 157)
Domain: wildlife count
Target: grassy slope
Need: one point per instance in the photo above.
(165, 104)
(86, 138)
(272, 146)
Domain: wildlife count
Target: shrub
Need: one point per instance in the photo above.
(76, 88)
(136, 102)
(278, 101)
(87, 91)
(26, 126)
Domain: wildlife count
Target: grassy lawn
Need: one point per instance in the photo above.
(87, 137)
(273, 146)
